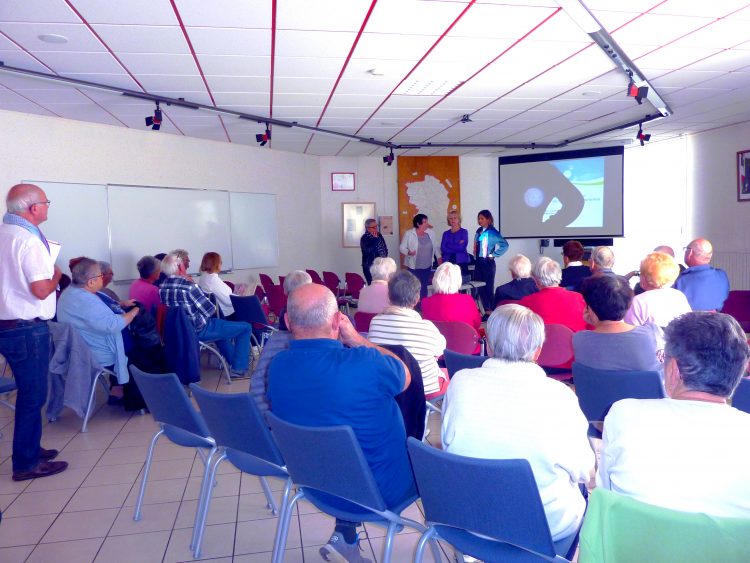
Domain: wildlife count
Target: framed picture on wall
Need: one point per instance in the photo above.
(342, 181)
(743, 175)
(354, 216)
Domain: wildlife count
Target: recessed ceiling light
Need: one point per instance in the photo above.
(590, 93)
(53, 38)
(376, 72)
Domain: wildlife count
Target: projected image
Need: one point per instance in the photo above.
(587, 175)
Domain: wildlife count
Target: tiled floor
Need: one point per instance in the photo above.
(86, 513)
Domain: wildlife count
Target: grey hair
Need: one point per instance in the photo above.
(147, 266)
(22, 202)
(84, 270)
(520, 266)
(403, 289)
(547, 272)
(370, 221)
(515, 333)
(105, 266)
(710, 349)
(447, 278)
(383, 268)
(171, 264)
(603, 257)
(311, 314)
(294, 279)
(181, 252)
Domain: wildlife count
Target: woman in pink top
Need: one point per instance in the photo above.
(373, 298)
(143, 290)
(446, 304)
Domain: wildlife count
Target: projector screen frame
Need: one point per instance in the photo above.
(618, 230)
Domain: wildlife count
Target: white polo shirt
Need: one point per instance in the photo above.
(23, 259)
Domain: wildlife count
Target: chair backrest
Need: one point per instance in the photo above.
(620, 529)
(598, 389)
(327, 459)
(161, 318)
(168, 402)
(354, 284)
(362, 321)
(738, 306)
(558, 346)
(456, 362)
(235, 422)
(497, 498)
(259, 292)
(332, 282)
(265, 281)
(281, 280)
(248, 309)
(459, 336)
(506, 302)
(315, 277)
(230, 285)
(276, 299)
(741, 397)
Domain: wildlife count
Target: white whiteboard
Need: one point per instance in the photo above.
(78, 220)
(255, 236)
(146, 221)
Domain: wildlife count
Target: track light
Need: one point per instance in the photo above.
(388, 159)
(263, 138)
(637, 92)
(154, 121)
(466, 118)
(641, 136)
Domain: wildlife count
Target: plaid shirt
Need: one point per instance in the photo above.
(178, 292)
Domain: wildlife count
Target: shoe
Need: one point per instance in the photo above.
(112, 400)
(47, 455)
(338, 550)
(44, 469)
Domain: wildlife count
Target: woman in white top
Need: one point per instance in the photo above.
(210, 282)
(419, 248)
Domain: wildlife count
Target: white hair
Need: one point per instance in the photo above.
(311, 314)
(382, 268)
(547, 272)
(447, 278)
(603, 257)
(294, 279)
(520, 266)
(171, 264)
(515, 333)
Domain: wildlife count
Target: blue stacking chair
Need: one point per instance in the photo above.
(178, 420)
(243, 438)
(329, 469)
(741, 397)
(249, 309)
(456, 362)
(598, 389)
(495, 514)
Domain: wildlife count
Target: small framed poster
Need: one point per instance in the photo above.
(743, 175)
(342, 181)
(354, 216)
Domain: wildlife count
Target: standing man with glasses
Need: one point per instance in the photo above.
(28, 279)
(373, 246)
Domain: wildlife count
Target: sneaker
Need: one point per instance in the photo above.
(338, 550)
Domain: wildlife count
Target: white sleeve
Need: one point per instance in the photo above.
(404, 246)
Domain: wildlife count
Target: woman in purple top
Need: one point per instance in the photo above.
(455, 239)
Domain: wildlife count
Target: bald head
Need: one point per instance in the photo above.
(312, 312)
(28, 201)
(698, 252)
(665, 249)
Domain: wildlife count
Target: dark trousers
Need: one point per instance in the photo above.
(484, 270)
(26, 349)
(366, 272)
(423, 274)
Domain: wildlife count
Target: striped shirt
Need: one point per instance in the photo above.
(178, 292)
(398, 325)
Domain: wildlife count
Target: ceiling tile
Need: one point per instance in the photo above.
(221, 41)
(143, 38)
(248, 14)
(130, 12)
(79, 37)
(37, 11)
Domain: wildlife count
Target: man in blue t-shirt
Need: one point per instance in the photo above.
(705, 287)
(320, 382)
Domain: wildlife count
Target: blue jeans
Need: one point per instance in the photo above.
(27, 348)
(223, 332)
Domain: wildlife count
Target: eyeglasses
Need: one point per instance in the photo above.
(95, 277)
(46, 202)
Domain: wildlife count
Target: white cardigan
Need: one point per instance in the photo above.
(410, 243)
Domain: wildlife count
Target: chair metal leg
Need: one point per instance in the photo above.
(222, 361)
(90, 407)
(277, 555)
(146, 469)
(270, 501)
(427, 536)
(388, 544)
(204, 501)
(284, 523)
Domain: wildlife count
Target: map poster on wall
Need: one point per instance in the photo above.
(429, 185)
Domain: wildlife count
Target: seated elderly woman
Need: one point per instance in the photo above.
(446, 304)
(521, 285)
(292, 281)
(613, 344)
(210, 282)
(401, 324)
(687, 452)
(659, 303)
(97, 324)
(143, 290)
(555, 304)
(373, 298)
(509, 409)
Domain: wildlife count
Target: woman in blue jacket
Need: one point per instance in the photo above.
(488, 245)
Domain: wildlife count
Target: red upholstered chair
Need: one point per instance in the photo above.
(332, 282)
(265, 281)
(738, 306)
(354, 284)
(230, 285)
(459, 336)
(557, 351)
(281, 280)
(362, 321)
(161, 317)
(276, 299)
(315, 277)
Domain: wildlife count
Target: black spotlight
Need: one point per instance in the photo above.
(154, 121)
(641, 136)
(388, 159)
(263, 138)
(639, 93)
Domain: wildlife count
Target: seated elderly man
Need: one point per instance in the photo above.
(232, 338)
(705, 287)
(373, 298)
(97, 324)
(521, 285)
(143, 290)
(292, 280)
(687, 452)
(556, 305)
(107, 277)
(400, 324)
(320, 382)
(509, 409)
